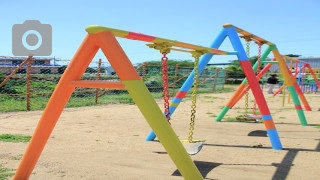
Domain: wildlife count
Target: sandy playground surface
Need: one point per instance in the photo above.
(107, 142)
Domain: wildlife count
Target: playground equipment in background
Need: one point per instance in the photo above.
(292, 86)
(232, 32)
(299, 74)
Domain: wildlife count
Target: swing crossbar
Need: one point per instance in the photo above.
(93, 29)
(246, 33)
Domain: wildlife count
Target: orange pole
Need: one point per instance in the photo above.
(54, 108)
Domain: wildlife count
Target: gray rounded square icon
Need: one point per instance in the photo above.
(31, 39)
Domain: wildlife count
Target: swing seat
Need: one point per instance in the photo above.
(193, 147)
(242, 119)
(258, 117)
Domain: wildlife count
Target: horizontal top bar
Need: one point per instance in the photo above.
(290, 58)
(245, 33)
(93, 29)
(273, 62)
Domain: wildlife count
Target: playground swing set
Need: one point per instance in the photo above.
(192, 146)
(105, 39)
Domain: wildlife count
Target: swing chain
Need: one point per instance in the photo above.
(258, 71)
(165, 85)
(194, 97)
(248, 39)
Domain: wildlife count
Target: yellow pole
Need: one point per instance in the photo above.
(283, 93)
(291, 64)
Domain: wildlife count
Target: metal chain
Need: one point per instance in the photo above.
(165, 80)
(194, 98)
(258, 71)
(247, 84)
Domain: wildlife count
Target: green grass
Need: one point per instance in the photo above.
(5, 172)
(213, 115)
(230, 119)
(289, 108)
(14, 138)
(282, 117)
(209, 113)
(317, 127)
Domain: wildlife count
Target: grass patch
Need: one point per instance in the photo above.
(317, 127)
(282, 117)
(289, 108)
(209, 113)
(230, 119)
(213, 115)
(14, 138)
(5, 172)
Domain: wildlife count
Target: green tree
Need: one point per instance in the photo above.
(292, 55)
(181, 63)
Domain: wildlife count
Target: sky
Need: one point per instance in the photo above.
(293, 25)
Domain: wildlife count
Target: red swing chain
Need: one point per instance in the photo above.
(254, 108)
(165, 80)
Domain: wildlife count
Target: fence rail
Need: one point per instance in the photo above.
(26, 90)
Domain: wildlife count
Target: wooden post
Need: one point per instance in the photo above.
(204, 74)
(98, 78)
(144, 71)
(28, 84)
(16, 70)
(215, 79)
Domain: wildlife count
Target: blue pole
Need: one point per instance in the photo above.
(188, 83)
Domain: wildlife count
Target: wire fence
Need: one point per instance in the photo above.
(29, 85)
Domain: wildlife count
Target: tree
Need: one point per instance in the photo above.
(235, 69)
(181, 63)
(293, 55)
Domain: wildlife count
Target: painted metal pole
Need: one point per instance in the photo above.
(259, 76)
(256, 90)
(53, 110)
(188, 83)
(291, 82)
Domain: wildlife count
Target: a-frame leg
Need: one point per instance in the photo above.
(290, 82)
(53, 110)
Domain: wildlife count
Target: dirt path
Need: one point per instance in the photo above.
(107, 142)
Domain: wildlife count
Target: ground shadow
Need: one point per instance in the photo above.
(204, 168)
(282, 168)
(260, 133)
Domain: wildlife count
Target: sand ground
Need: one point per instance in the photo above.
(107, 142)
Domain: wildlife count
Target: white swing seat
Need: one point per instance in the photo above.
(193, 147)
(258, 117)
